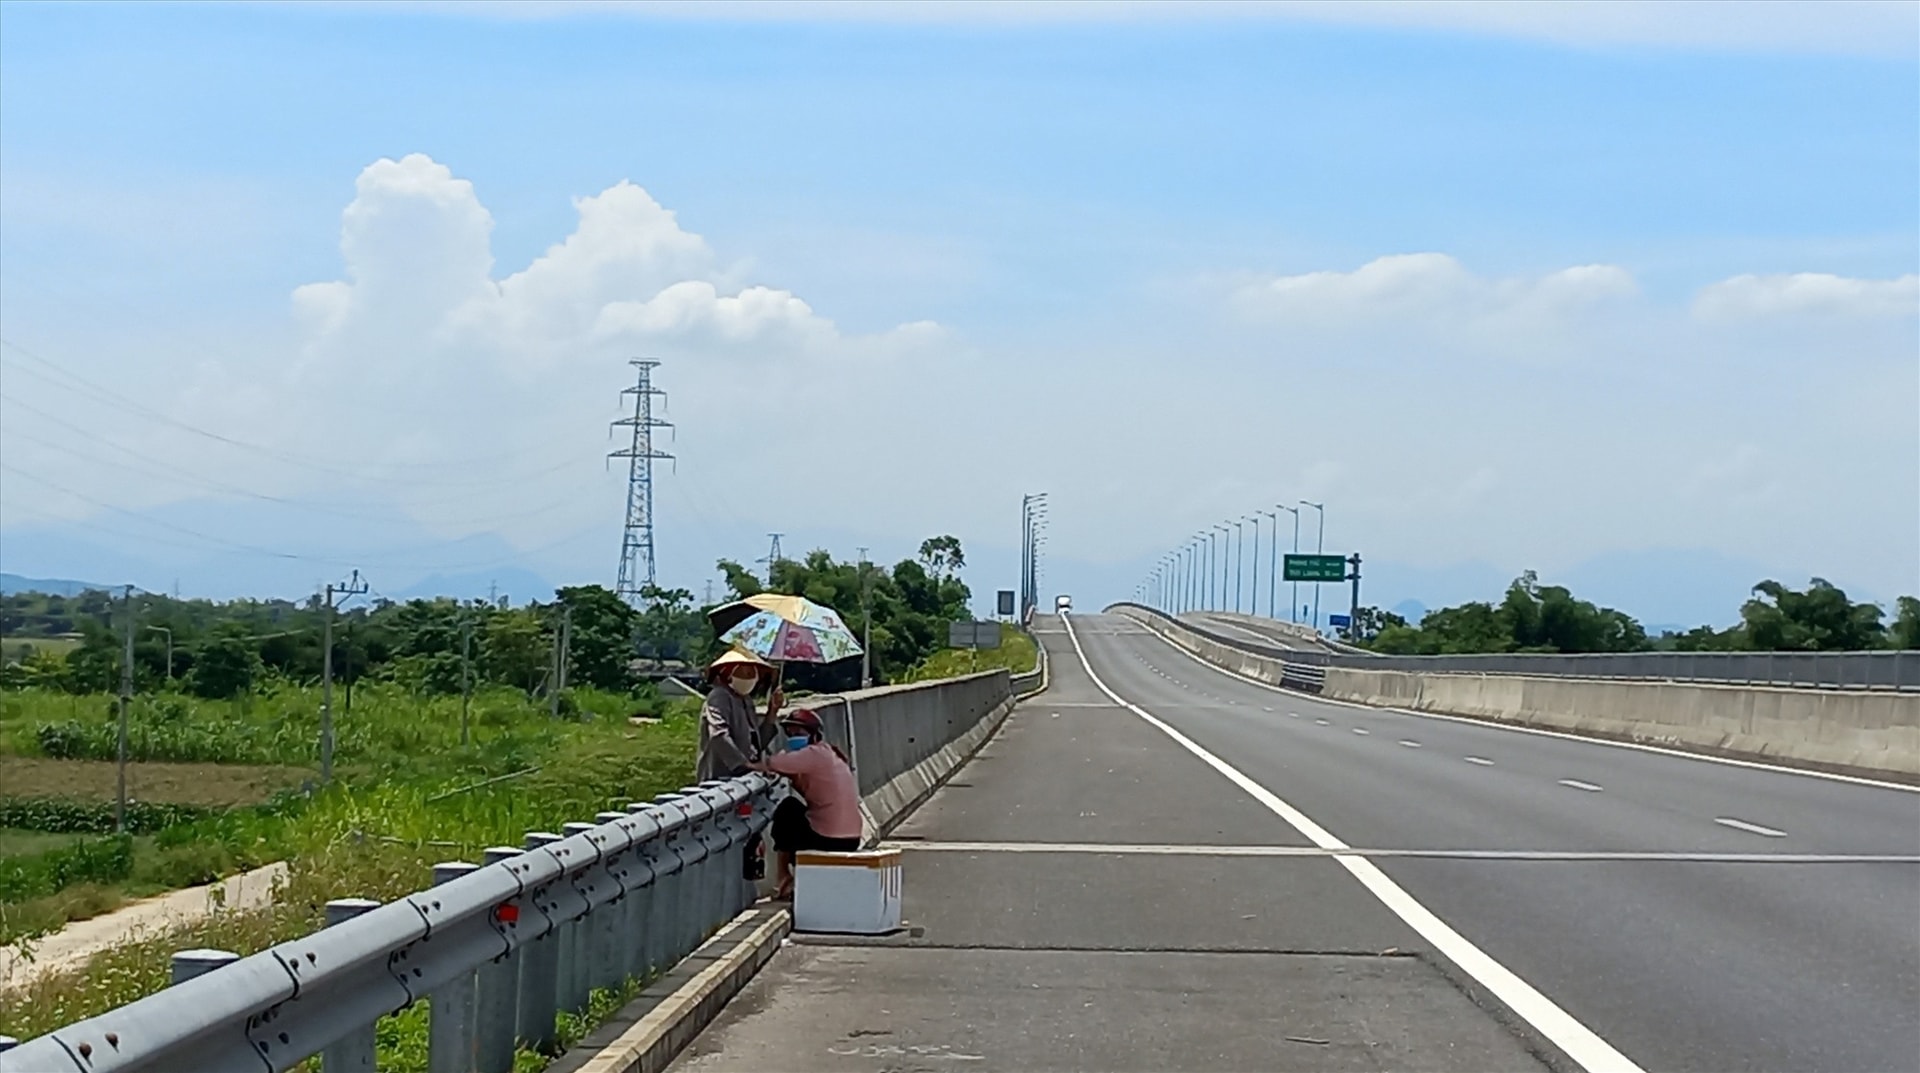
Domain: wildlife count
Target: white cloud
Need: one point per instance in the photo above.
(1435, 298)
(1751, 297)
(1847, 27)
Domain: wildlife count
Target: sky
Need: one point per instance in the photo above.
(1624, 293)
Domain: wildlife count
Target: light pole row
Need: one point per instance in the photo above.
(1196, 576)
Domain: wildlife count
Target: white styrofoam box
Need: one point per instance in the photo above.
(847, 893)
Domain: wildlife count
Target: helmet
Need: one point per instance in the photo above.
(804, 719)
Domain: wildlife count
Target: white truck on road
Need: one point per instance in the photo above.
(1062, 603)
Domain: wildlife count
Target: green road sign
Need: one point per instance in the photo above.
(1315, 568)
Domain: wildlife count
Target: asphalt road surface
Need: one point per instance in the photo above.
(1682, 913)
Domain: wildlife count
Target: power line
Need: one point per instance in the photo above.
(81, 385)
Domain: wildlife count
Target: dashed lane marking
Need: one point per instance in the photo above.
(1578, 1042)
(1481, 760)
(1750, 828)
(1578, 785)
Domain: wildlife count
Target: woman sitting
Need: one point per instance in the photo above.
(829, 816)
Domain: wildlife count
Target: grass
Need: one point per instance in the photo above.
(15, 842)
(1016, 653)
(407, 795)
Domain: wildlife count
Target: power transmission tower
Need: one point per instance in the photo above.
(636, 546)
(773, 555)
(354, 587)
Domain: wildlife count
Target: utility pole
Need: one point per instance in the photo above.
(126, 701)
(866, 626)
(636, 544)
(466, 676)
(169, 633)
(557, 682)
(1353, 616)
(354, 587)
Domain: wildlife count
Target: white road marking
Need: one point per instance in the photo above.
(1362, 731)
(1750, 828)
(1293, 715)
(1266, 709)
(1481, 760)
(1322, 722)
(1409, 743)
(1880, 784)
(1575, 1040)
(1578, 785)
(1187, 849)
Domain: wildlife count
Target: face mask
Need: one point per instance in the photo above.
(742, 683)
(798, 742)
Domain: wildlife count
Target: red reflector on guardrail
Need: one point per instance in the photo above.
(507, 914)
(745, 809)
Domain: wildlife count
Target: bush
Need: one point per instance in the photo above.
(62, 816)
(96, 860)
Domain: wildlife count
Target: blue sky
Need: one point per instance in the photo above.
(1094, 211)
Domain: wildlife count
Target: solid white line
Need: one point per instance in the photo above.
(1857, 780)
(1579, 1042)
(1409, 744)
(1363, 731)
(1752, 828)
(1481, 760)
(1132, 849)
(1578, 785)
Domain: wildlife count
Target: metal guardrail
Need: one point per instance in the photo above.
(1035, 680)
(1895, 671)
(496, 950)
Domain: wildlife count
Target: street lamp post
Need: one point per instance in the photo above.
(1273, 565)
(1253, 589)
(1293, 609)
(1240, 534)
(1319, 545)
(1221, 561)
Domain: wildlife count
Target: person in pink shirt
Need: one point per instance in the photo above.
(826, 814)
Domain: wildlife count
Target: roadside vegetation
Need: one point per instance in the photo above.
(1016, 653)
(450, 737)
(1533, 617)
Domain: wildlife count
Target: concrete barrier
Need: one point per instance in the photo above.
(1847, 730)
(906, 740)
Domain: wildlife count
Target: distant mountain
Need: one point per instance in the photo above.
(13, 584)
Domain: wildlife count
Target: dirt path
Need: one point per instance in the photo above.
(72, 945)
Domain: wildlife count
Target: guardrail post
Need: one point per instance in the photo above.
(576, 952)
(450, 1014)
(539, 975)
(610, 937)
(496, 998)
(678, 890)
(718, 894)
(188, 964)
(655, 918)
(353, 1052)
(640, 898)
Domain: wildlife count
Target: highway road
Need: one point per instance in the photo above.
(1250, 628)
(1671, 912)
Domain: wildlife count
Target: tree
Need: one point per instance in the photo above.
(1821, 619)
(941, 556)
(1371, 621)
(741, 580)
(600, 637)
(514, 648)
(1906, 626)
(226, 665)
(669, 626)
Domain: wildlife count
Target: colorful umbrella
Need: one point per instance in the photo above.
(782, 628)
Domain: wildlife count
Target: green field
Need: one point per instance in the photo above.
(229, 785)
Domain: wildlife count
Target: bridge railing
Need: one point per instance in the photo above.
(1897, 671)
